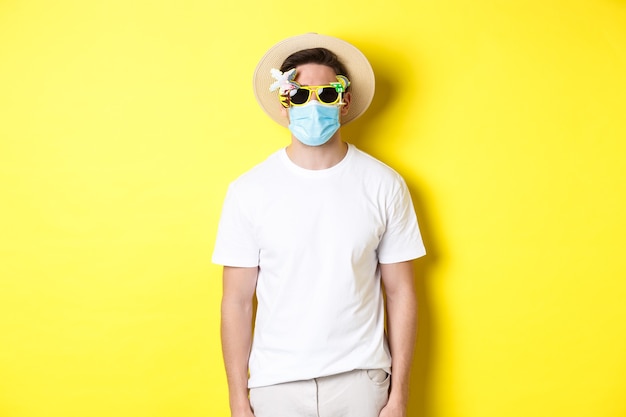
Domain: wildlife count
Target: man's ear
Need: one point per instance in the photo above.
(346, 99)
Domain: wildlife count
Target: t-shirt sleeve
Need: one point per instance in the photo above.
(235, 244)
(402, 240)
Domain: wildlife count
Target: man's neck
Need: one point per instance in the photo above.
(317, 157)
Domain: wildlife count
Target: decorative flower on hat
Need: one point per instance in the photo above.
(284, 81)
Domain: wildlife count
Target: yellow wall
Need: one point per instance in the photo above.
(122, 122)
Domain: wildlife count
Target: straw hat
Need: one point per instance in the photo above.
(359, 69)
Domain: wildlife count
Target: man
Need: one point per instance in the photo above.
(312, 231)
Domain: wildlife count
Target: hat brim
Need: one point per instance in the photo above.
(360, 73)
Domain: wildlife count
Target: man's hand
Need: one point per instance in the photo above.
(392, 410)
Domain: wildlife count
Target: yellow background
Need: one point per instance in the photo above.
(122, 122)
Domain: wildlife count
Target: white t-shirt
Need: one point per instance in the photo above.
(317, 237)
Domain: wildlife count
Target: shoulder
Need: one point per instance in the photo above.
(373, 170)
(257, 177)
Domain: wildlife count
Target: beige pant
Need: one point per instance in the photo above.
(359, 393)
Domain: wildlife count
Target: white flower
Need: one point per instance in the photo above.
(284, 81)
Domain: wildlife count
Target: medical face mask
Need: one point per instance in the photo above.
(313, 123)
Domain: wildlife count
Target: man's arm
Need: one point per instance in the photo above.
(237, 305)
(402, 329)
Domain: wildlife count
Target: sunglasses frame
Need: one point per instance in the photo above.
(286, 99)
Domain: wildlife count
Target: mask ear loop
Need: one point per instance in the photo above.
(341, 85)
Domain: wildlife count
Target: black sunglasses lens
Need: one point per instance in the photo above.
(328, 95)
(300, 97)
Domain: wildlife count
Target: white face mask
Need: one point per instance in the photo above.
(314, 124)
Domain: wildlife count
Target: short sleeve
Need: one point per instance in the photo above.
(402, 240)
(235, 244)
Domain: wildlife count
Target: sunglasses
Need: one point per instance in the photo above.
(326, 94)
